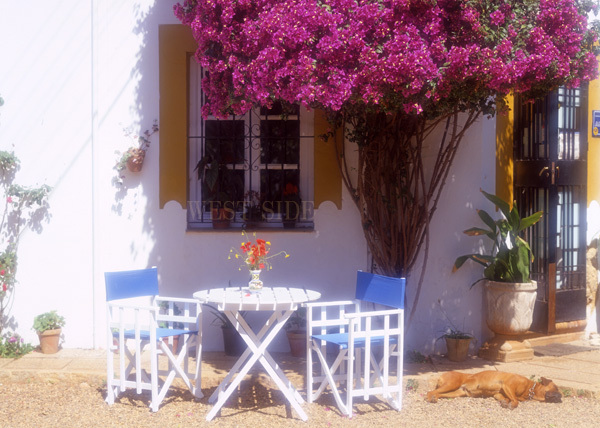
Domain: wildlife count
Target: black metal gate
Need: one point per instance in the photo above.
(550, 155)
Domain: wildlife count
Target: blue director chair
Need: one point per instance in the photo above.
(139, 326)
(366, 343)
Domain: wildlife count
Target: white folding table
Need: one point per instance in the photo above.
(282, 301)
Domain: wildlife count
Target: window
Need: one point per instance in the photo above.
(249, 171)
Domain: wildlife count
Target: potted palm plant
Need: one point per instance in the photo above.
(48, 326)
(510, 293)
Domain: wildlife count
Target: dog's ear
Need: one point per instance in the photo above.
(546, 381)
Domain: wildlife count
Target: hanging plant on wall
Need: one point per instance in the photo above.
(133, 158)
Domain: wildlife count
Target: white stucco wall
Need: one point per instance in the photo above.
(473, 169)
(45, 75)
(75, 74)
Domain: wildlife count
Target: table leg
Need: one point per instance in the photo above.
(275, 323)
(281, 320)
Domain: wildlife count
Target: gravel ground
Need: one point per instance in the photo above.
(78, 401)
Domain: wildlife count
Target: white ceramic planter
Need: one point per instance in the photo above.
(509, 306)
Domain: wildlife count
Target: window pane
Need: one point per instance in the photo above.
(224, 145)
(225, 140)
(280, 185)
(279, 141)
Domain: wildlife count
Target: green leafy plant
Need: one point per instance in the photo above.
(221, 183)
(48, 321)
(164, 309)
(20, 207)
(510, 256)
(253, 211)
(142, 144)
(452, 332)
(297, 321)
(221, 318)
(412, 385)
(417, 357)
(14, 346)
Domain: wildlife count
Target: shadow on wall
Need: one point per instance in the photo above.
(180, 260)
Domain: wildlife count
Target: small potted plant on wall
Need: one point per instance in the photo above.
(48, 326)
(133, 158)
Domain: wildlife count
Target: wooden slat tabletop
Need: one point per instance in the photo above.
(268, 298)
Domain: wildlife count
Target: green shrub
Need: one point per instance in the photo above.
(13, 346)
(48, 321)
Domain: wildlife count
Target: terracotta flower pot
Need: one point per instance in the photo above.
(458, 349)
(297, 339)
(135, 161)
(175, 347)
(49, 341)
(221, 218)
(233, 343)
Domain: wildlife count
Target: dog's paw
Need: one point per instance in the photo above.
(432, 398)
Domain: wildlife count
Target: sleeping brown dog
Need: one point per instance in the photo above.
(508, 388)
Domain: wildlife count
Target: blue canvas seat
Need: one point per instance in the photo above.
(154, 327)
(366, 342)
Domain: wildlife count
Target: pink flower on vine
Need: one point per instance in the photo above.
(497, 17)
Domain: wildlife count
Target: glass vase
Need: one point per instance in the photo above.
(255, 282)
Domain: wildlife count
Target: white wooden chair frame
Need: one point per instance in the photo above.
(139, 324)
(357, 334)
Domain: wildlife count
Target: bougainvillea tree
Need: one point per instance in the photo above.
(389, 72)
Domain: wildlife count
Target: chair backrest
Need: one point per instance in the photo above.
(380, 289)
(131, 283)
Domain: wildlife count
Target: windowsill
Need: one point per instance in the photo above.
(238, 227)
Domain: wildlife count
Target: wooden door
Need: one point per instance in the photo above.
(550, 159)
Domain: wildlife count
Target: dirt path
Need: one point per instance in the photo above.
(78, 401)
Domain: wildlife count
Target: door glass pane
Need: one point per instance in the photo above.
(533, 142)
(570, 257)
(531, 200)
(569, 112)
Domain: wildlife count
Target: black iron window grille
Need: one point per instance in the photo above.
(249, 171)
